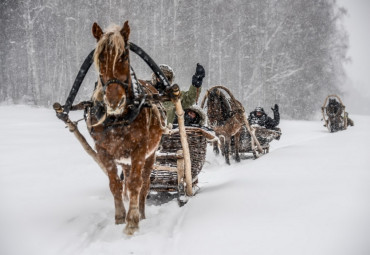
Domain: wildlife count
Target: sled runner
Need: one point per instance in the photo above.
(334, 114)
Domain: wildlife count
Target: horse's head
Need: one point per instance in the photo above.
(111, 59)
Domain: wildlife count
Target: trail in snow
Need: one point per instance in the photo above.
(309, 195)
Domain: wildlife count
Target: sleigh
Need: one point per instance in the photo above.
(227, 117)
(334, 114)
(247, 145)
(169, 174)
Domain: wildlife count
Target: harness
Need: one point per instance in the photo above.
(136, 101)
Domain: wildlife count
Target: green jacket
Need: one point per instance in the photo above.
(187, 99)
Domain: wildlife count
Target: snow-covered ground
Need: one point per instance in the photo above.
(309, 195)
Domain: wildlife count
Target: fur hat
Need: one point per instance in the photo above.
(259, 109)
(167, 71)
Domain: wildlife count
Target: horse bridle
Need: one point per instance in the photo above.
(134, 106)
(114, 80)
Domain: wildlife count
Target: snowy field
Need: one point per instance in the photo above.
(309, 195)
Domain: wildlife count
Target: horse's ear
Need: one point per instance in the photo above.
(97, 31)
(125, 31)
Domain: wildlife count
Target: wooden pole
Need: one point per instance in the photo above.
(185, 146)
(260, 150)
(74, 129)
(323, 113)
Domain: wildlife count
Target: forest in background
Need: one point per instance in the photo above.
(289, 52)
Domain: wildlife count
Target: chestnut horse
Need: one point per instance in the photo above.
(225, 117)
(129, 142)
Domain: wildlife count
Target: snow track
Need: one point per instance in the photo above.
(309, 195)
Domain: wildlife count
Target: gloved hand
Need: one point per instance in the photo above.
(197, 79)
(276, 108)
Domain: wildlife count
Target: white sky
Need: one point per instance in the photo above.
(357, 23)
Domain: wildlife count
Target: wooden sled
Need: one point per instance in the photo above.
(331, 119)
(169, 174)
(247, 145)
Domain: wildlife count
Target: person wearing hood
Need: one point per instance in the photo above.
(194, 116)
(259, 117)
(188, 97)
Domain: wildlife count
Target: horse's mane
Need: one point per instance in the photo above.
(225, 104)
(112, 38)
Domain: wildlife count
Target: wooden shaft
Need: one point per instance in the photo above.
(74, 129)
(185, 146)
(197, 97)
(180, 169)
(326, 120)
(252, 134)
(345, 118)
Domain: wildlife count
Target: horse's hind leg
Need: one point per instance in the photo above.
(115, 185)
(148, 167)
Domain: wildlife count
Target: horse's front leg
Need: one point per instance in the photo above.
(115, 185)
(237, 145)
(222, 140)
(134, 184)
(227, 151)
(148, 167)
(215, 148)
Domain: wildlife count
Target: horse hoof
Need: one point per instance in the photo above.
(120, 220)
(130, 230)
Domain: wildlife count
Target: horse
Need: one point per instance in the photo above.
(226, 118)
(125, 134)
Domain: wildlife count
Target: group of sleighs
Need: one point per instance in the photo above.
(264, 128)
(130, 123)
(267, 127)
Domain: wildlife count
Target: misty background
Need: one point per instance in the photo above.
(289, 52)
